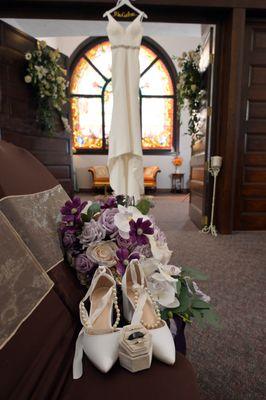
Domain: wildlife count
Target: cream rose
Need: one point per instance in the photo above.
(102, 253)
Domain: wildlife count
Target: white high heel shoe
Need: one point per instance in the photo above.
(98, 338)
(139, 306)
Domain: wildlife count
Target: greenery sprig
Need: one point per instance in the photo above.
(48, 79)
(193, 303)
(189, 92)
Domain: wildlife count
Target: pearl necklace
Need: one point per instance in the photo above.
(156, 308)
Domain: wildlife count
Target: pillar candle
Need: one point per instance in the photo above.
(216, 161)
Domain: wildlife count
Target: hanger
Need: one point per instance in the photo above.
(121, 3)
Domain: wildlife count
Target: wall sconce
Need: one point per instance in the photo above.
(214, 169)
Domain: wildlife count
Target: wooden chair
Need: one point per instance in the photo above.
(150, 177)
(100, 177)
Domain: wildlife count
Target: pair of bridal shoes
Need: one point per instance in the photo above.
(99, 338)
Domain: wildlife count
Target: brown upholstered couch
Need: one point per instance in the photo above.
(36, 364)
(100, 176)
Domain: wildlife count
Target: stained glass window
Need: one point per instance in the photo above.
(92, 98)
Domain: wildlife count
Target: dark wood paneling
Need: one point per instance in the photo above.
(250, 200)
(254, 205)
(18, 109)
(231, 51)
(256, 143)
(96, 8)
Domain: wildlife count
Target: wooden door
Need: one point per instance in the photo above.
(250, 195)
(200, 149)
(18, 109)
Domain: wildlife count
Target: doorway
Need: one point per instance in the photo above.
(174, 39)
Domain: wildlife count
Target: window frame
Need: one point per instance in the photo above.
(161, 54)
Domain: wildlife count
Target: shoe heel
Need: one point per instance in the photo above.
(127, 308)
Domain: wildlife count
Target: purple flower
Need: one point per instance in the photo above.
(110, 203)
(139, 230)
(124, 259)
(69, 239)
(83, 264)
(72, 209)
(92, 232)
(107, 220)
(121, 242)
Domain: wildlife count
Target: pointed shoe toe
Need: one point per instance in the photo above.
(102, 350)
(163, 344)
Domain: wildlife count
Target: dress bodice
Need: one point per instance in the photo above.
(129, 36)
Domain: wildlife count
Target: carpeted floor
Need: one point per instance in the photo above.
(230, 362)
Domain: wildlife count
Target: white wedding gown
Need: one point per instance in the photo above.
(125, 150)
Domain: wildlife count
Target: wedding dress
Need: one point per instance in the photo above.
(125, 150)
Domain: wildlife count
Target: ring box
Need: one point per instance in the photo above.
(135, 348)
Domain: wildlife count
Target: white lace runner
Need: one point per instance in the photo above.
(23, 282)
(35, 218)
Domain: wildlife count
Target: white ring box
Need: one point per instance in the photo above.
(135, 354)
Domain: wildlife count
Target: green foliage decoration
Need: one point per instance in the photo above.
(48, 80)
(189, 91)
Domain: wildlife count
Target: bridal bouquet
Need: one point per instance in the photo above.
(112, 234)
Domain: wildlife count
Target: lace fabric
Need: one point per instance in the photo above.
(23, 282)
(34, 217)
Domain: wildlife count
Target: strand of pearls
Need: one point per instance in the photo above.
(116, 309)
(85, 318)
(155, 305)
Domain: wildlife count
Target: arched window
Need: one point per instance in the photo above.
(92, 99)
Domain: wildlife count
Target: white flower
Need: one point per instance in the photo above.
(28, 56)
(163, 292)
(166, 272)
(193, 88)
(202, 295)
(160, 250)
(149, 265)
(123, 217)
(27, 78)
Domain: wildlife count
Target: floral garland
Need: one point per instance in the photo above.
(189, 92)
(109, 233)
(47, 77)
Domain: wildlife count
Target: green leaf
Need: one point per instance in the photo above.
(93, 209)
(197, 303)
(211, 317)
(85, 218)
(184, 300)
(164, 314)
(198, 317)
(194, 274)
(144, 206)
(178, 287)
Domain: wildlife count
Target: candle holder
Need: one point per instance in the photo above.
(214, 169)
